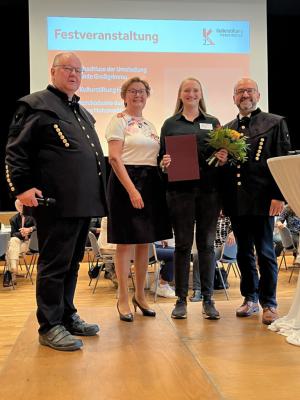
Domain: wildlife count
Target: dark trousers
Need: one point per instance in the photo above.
(61, 247)
(254, 236)
(166, 254)
(186, 209)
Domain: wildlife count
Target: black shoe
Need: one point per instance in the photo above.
(209, 310)
(77, 326)
(196, 296)
(59, 338)
(147, 312)
(125, 317)
(180, 309)
(7, 279)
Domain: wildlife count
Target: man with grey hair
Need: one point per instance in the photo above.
(53, 151)
(252, 199)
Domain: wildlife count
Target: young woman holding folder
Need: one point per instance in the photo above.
(194, 200)
(136, 197)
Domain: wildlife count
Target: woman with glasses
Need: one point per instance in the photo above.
(193, 201)
(137, 205)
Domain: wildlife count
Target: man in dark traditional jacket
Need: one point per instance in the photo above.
(252, 199)
(53, 151)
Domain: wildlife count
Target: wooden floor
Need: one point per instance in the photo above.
(159, 358)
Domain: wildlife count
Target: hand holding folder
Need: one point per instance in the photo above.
(184, 158)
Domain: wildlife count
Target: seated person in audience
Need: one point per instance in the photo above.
(165, 253)
(107, 248)
(95, 228)
(292, 223)
(278, 247)
(21, 228)
(223, 234)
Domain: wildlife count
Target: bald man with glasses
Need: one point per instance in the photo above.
(251, 199)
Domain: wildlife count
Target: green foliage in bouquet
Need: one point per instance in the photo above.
(231, 140)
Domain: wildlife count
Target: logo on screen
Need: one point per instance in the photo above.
(206, 39)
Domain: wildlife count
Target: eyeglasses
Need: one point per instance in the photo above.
(136, 91)
(248, 90)
(69, 69)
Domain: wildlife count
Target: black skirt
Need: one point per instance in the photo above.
(129, 225)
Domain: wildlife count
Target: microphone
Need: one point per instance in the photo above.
(46, 202)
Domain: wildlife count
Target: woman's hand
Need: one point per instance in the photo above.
(166, 161)
(136, 199)
(222, 156)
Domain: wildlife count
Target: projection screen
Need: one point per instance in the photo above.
(164, 42)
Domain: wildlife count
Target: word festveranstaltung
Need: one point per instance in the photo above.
(71, 35)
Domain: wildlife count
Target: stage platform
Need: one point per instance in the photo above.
(157, 359)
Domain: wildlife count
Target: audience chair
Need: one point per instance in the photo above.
(288, 247)
(33, 252)
(226, 255)
(153, 262)
(90, 258)
(157, 264)
(4, 239)
(99, 258)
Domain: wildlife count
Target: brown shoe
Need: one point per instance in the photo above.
(247, 309)
(269, 315)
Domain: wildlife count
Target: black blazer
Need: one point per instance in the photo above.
(53, 146)
(248, 188)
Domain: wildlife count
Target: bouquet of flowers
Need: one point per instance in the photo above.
(230, 140)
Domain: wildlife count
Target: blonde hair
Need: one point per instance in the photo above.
(130, 81)
(179, 103)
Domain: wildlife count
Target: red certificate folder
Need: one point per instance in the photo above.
(184, 158)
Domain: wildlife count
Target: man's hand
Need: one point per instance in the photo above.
(276, 207)
(25, 231)
(28, 198)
